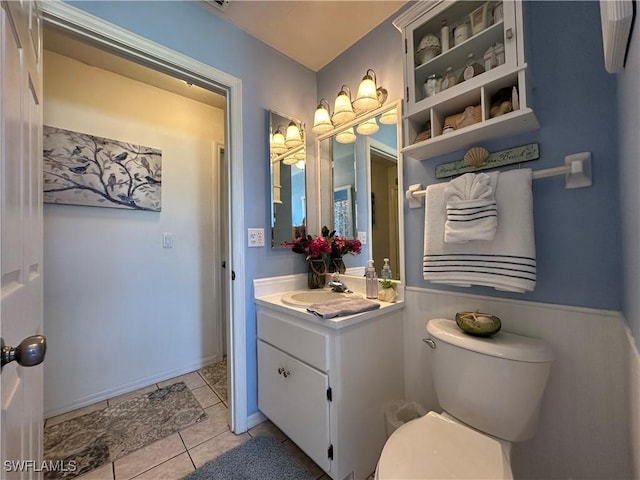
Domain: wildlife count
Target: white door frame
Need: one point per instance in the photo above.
(161, 58)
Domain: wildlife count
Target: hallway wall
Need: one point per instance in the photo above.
(121, 311)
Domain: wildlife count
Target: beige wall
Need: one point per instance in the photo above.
(120, 311)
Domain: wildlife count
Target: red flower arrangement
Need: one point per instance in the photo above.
(313, 248)
(322, 250)
(327, 244)
(341, 246)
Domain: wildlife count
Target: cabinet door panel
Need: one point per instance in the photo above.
(298, 341)
(293, 396)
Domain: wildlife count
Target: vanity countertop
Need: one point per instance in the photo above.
(269, 295)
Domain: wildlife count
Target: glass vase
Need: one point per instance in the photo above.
(336, 264)
(317, 270)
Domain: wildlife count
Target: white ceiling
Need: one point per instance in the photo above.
(311, 32)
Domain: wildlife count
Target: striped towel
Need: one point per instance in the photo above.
(506, 263)
(472, 213)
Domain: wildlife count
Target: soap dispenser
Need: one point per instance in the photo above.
(386, 270)
(371, 281)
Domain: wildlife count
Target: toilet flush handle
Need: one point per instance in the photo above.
(429, 342)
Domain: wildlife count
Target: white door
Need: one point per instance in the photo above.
(21, 311)
(293, 395)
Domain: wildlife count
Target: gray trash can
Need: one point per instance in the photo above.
(399, 412)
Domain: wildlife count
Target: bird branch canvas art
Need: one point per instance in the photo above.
(82, 169)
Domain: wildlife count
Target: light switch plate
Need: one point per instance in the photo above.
(167, 240)
(256, 237)
(362, 236)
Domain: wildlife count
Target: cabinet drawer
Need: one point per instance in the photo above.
(298, 341)
(294, 397)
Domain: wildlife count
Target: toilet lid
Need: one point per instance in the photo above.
(435, 447)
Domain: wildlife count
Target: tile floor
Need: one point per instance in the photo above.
(175, 456)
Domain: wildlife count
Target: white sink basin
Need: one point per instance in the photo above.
(304, 298)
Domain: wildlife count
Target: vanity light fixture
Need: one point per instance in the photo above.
(294, 136)
(278, 142)
(346, 136)
(343, 110)
(290, 160)
(300, 155)
(390, 117)
(370, 97)
(322, 118)
(369, 127)
(367, 98)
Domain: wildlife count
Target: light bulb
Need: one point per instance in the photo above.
(390, 117)
(321, 120)
(294, 138)
(367, 98)
(278, 143)
(346, 136)
(343, 110)
(369, 127)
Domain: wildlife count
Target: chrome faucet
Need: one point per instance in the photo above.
(337, 286)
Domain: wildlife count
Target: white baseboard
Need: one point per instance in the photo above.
(255, 419)
(129, 387)
(634, 402)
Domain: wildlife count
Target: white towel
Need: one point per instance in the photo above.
(505, 263)
(471, 208)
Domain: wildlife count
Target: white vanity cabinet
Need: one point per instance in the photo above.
(325, 386)
(498, 25)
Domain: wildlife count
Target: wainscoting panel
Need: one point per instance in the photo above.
(584, 431)
(633, 361)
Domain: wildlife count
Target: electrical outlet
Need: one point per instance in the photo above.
(362, 236)
(256, 237)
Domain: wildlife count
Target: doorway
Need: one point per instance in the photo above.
(124, 43)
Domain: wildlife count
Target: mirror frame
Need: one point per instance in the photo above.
(324, 204)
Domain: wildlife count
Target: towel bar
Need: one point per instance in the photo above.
(576, 171)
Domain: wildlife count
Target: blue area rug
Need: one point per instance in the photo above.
(261, 458)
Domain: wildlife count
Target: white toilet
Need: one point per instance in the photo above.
(490, 390)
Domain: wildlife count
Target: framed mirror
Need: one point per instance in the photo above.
(360, 185)
(287, 158)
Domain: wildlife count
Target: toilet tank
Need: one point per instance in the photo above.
(494, 384)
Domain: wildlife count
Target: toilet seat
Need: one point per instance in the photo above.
(436, 447)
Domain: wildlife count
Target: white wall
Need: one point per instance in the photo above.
(583, 430)
(120, 311)
(628, 83)
(633, 407)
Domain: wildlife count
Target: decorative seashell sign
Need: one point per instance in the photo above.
(476, 159)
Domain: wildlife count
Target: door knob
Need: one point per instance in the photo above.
(29, 353)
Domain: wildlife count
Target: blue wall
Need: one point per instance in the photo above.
(577, 231)
(270, 81)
